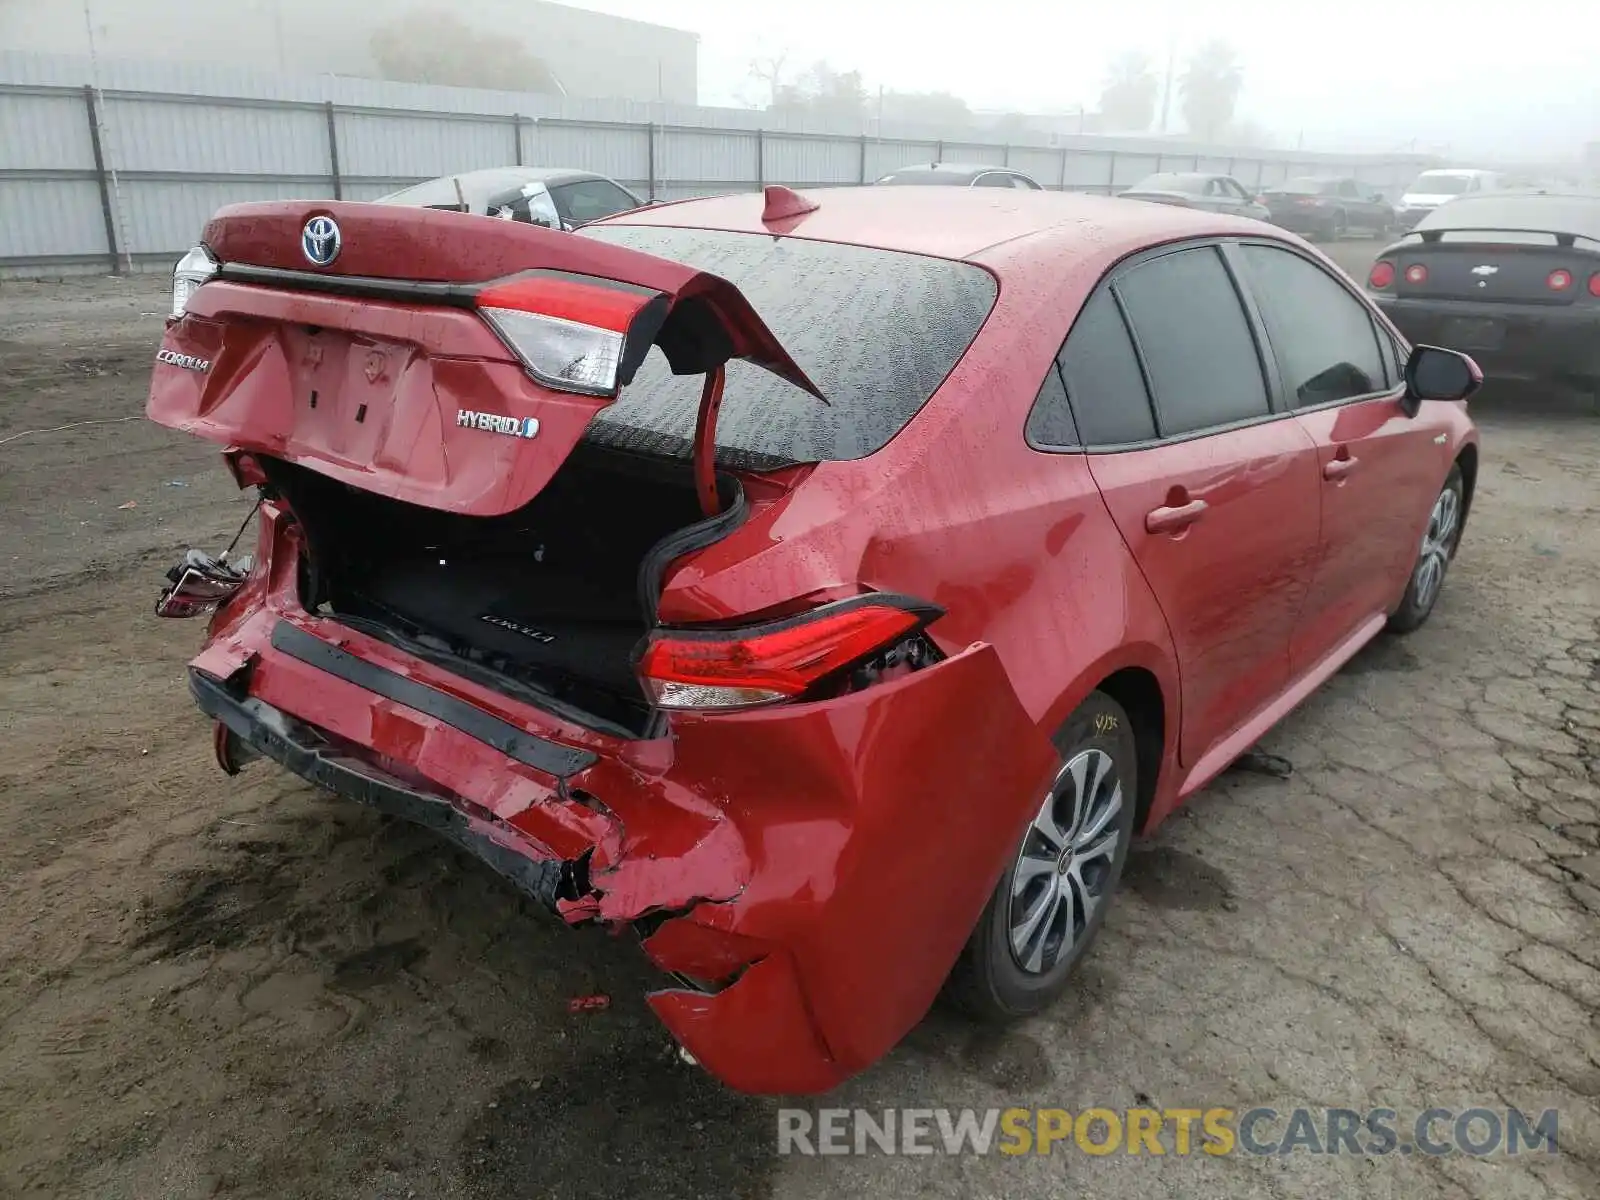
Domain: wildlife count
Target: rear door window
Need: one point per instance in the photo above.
(1324, 338)
(1103, 380)
(1050, 424)
(876, 330)
(1191, 328)
(992, 179)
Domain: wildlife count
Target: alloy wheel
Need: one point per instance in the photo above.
(1064, 866)
(1437, 544)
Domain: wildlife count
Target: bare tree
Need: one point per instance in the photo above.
(1211, 85)
(932, 109)
(769, 70)
(824, 92)
(1128, 98)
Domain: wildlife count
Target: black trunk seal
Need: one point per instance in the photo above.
(561, 762)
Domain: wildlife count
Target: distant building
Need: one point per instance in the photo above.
(590, 54)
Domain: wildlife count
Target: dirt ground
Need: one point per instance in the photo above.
(241, 988)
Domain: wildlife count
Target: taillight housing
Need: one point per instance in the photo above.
(1558, 280)
(1416, 273)
(1382, 274)
(710, 669)
(1594, 285)
(194, 270)
(572, 331)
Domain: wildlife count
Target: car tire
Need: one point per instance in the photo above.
(1019, 958)
(1440, 540)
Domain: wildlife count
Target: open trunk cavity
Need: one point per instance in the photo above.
(550, 600)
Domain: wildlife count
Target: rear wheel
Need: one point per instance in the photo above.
(1439, 542)
(1052, 899)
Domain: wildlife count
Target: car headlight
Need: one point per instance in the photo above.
(193, 270)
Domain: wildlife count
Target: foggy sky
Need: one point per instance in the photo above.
(1358, 74)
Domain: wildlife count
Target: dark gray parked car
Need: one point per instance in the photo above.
(1329, 208)
(557, 197)
(1195, 189)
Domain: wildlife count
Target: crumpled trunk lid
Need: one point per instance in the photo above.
(379, 370)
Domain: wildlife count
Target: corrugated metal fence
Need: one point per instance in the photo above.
(123, 174)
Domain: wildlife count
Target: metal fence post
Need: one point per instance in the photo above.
(1005, 155)
(938, 151)
(333, 151)
(92, 107)
(516, 137)
(863, 158)
(761, 158)
(1061, 173)
(650, 159)
(1111, 174)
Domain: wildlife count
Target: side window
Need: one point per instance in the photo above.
(1025, 184)
(591, 199)
(1238, 191)
(1050, 424)
(992, 179)
(1196, 342)
(1103, 380)
(1324, 338)
(1347, 187)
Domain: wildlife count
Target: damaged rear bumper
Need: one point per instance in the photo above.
(808, 873)
(342, 770)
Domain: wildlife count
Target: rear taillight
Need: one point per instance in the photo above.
(1416, 273)
(569, 331)
(765, 664)
(1594, 284)
(193, 271)
(1382, 274)
(1558, 280)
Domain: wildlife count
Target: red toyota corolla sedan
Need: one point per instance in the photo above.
(825, 587)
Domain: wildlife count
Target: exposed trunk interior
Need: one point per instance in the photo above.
(549, 600)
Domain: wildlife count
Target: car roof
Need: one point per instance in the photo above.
(978, 224)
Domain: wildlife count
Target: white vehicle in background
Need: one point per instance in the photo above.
(1433, 188)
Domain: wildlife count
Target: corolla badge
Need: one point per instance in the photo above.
(522, 427)
(321, 241)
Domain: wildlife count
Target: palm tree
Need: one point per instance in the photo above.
(1128, 97)
(1211, 84)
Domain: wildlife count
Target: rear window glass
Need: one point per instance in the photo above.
(877, 331)
(1514, 212)
(950, 178)
(1308, 187)
(1431, 183)
(1171, 183)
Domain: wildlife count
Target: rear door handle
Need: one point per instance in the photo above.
(1338, 468)
(1173, 519)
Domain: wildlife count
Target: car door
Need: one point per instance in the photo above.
(1377, 470)
(1214, 493)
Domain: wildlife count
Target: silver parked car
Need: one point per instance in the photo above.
(556, 197)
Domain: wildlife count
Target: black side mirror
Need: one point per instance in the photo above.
(1434, 373)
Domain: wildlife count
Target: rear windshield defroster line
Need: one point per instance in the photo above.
(877, 330)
